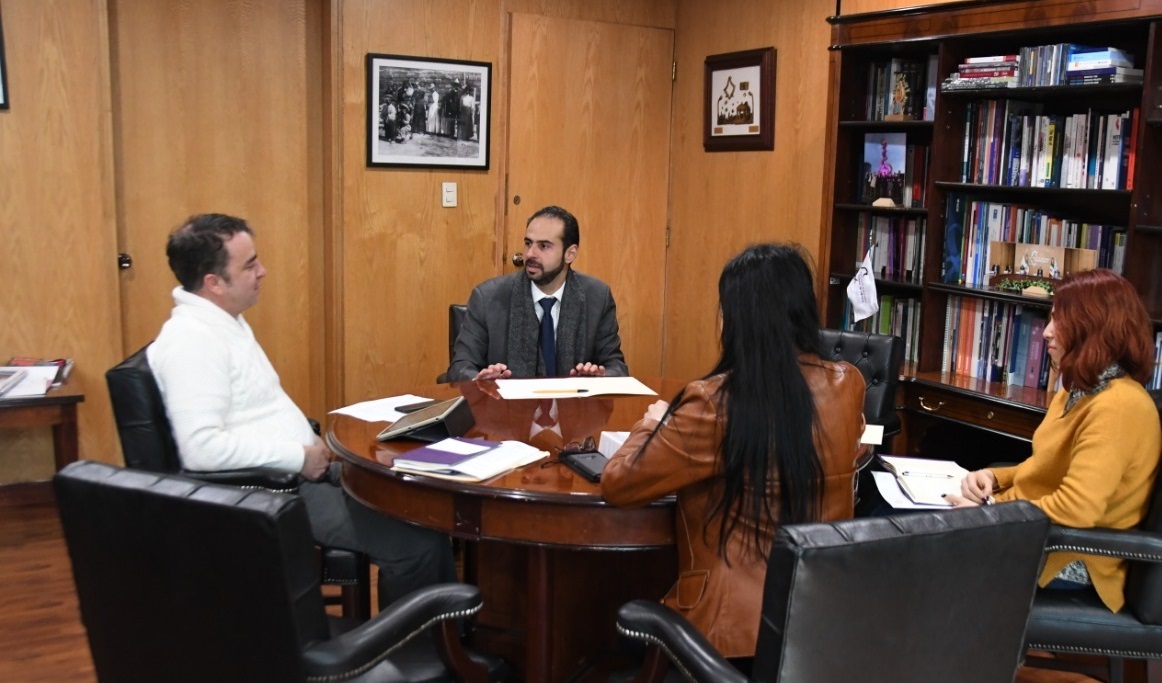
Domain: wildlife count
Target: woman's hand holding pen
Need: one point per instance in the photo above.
(976, 489)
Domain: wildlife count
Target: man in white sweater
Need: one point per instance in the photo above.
(229, 411)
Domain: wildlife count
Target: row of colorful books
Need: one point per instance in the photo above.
(899, 316)
(996, 341)
(901, 89)
(1044, 66)
(898, 242)
(894, 168)
(1007, 142)
(973, 227)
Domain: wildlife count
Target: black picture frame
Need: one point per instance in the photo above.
(739, 101)
(400, 134)
(3, 70)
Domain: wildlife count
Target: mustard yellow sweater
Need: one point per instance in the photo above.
(1093, 467)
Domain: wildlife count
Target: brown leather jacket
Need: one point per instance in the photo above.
(723, 601)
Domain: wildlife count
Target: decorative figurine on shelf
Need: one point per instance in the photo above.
(1023, 269)
(885, 179)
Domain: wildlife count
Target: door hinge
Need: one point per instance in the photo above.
(673, 71)
(667, 237)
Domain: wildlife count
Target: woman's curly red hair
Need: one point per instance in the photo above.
(1099, 319)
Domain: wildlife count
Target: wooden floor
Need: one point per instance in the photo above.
(41, 637)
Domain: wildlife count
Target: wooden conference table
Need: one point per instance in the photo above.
(554, 560)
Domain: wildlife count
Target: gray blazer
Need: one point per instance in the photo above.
(502, 327)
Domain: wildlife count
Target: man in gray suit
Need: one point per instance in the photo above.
(506, 333)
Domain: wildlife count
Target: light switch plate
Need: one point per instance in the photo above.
(449, 195)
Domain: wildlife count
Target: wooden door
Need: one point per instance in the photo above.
(589, 129)
(214, 113)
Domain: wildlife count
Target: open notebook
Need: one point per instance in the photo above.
(925, 481)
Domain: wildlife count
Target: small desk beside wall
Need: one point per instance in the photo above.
(56, 409)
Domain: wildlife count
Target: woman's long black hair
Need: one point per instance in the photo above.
(769, 317)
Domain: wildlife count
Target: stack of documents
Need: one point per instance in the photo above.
(465, 459)
(923, 482)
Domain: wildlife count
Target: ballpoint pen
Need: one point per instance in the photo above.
(560, 391)
(930, 475)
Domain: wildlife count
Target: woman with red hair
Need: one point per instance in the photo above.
(1095, 455)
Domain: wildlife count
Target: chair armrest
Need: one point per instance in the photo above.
(1128, 544)
(254, 477)
(688, 649)
(368, 643)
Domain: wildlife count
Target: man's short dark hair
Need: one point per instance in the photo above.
(198, 247)
(572, 233)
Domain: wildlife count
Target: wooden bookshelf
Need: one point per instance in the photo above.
(932, 398)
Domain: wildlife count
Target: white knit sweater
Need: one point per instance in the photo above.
(224, 398)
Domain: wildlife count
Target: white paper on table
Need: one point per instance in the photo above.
(893, 495)
(380, 409)
(571, 387)
(37, 380)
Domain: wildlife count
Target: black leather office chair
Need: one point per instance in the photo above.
(1077, 621)
(456, 315)
(183, 581)
(879, 358)
(929, 596)
(147, 443)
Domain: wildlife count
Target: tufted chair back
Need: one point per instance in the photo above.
(879, 358)
(146, 437)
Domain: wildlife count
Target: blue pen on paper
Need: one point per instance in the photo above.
(929, 475)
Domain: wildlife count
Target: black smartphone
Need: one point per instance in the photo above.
(588, 464)
(413, 407)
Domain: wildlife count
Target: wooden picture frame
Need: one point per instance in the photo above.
(739, 101)
(418, 112)
(3, 70)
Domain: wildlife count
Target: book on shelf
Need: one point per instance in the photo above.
(465, 459)
(992, 59)
(950, 271)
(923, 480)
(64, 366)
(1103, 80)
(931, 79)
(1104, 71)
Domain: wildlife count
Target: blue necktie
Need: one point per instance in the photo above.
(548, 338)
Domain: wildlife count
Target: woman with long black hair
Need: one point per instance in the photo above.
(770, 436)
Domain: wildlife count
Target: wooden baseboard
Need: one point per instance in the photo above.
(31, 493)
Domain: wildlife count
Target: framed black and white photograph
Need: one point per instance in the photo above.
(3, 71)
(427, 112)
(739, 107)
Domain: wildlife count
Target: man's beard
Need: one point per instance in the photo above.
(546, 276)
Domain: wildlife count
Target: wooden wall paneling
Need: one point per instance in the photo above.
(217, 111)
(721, 202)
(404, 257)
(592, 103)
(59, 286)
(657, 13)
